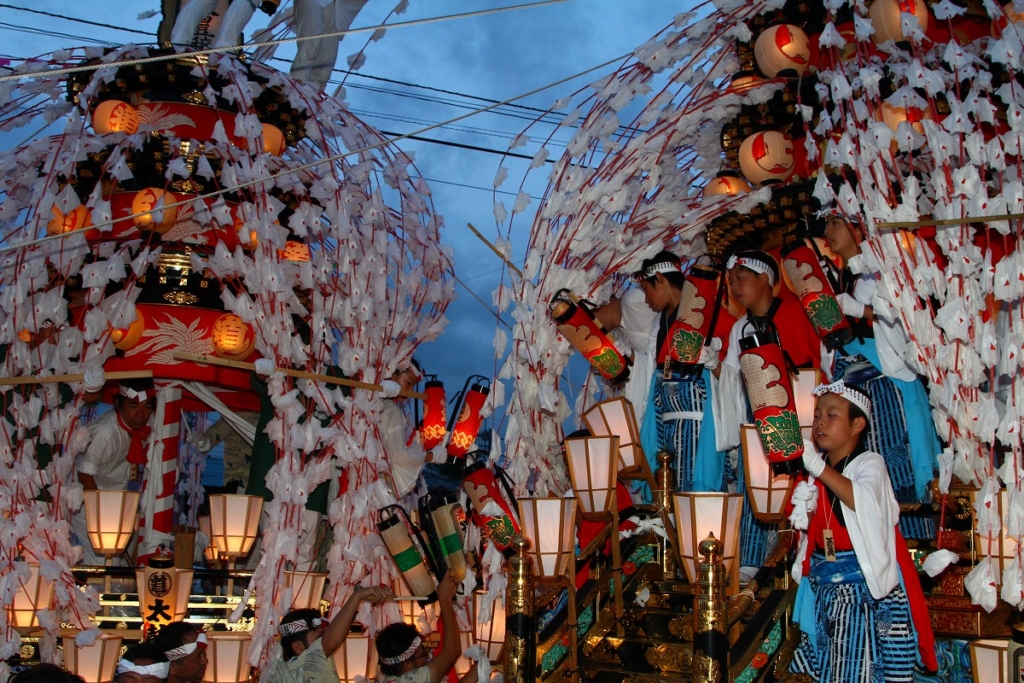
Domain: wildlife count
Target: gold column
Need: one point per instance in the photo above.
(664, 502)
(710, 645)
(520, 627)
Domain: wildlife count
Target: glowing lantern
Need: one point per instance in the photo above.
(550, 526)
(273, 140)
(146, 213)
(770, 392)
(726, 183)
(25, 336)
(782, 50)
(697, 515)
(434, 414)
(693, 322)
(467, 427)
(95, 663)
(294, 250)
(115, 116)
(163, 591)
(580, 328)
(804, 382)
(989, 660)
(886, 17)
(441, 515)
(767, 492)
(744, 81)
(125, 339)
(767, 157)
(232, 337)
(234, 523)
(356, 658)
(615, 417)
(893, 116)
(33, 596)
(489, 633)
(307, 589)
(410, 556)
(76, 219)
(227, 653)
(481, 485)
(593, 466)
(210, 551)
(816, 295)
(110, 519)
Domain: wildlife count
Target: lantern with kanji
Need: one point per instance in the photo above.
(149, 209)
(887, 18)
(767, 157)
(491, 511)
(693, 323)
(115, 116)
(434, 414)
(816, 295)
(75, 219)
(163, 591)
(408, 551)
(580, 328)
(232, 337)
(770, 392)
(782, 50)
(467, 426)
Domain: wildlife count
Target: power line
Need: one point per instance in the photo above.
(75, 19)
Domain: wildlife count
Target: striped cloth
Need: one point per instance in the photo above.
(846, 635)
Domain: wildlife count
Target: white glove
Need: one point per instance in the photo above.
(813, 462)
(390, 388)
(850, 306)
(709, 354)
(264, 366)
(200, 441)
(94, 379)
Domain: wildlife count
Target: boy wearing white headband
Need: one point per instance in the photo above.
(859, 621)
(308, 641)
(185, 648)
(142, 663)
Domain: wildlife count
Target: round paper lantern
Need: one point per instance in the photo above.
(727, 183)
(885, 17)
(76, 219)
(893, 116)
(125, 339)
(782, 50)
(296, 251)
(767, 156)
(232, 337)
(115, 116)
(143, 204)
(744, 81)
(273, 140)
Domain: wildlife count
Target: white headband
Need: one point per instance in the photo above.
(299, 626)
(849, 393)
(159, 670)
(756, 265)
(140, 396)
(655, 268)
(405, 656)
(174, 654)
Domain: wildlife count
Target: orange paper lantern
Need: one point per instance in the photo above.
(115, 116)
(886, 17)
(146, 215)
(273, 140)
(782, 50)
(767, 157)
(434, 414)
(125, 339)
(76, 219)
(296, 251)
(726, 184)
(232, 337)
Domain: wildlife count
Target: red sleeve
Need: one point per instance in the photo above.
(796, 333)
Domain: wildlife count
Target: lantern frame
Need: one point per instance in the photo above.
(768, 492)
(804, 382)
(698, 514)
(592, 469)
(32, 595)
(210, 551)
(226, 650)
(616, 417)
(237, 540)
(110, 519)
(1000, 547)
(178, 601)
(489, 636)
(307, 588)
(358, 650)
(988, 654)
(100, 659)
(552, 544)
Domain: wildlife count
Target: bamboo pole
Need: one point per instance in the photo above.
(895, 225)
(75, 377)
(301, 374)
(495, 250)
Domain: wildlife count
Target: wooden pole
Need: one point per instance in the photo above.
(74, 377)
(495, 250)
(301, 374)
(895, 225)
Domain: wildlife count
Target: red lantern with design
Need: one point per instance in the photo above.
(782, 50)
(467, 426)
(434, 415)
(767, 156)
(481, 485)
(816, 295)
(693, 323)
(232, 337)
(115, 116)
(770, 391)
(580, 328)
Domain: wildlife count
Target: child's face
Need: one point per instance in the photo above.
(747, 287)
(834, 431)
(657, 293)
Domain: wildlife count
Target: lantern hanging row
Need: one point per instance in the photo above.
(578, 324)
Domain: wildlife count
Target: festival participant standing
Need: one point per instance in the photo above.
(405, 454)
(901, 427)
(142, 663)
(308, 641)
(752, 277)
(317, 53)
(860, 619)
(115, 459)
(185, 648)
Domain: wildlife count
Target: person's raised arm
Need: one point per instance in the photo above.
(451, 646)
(340, 626)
